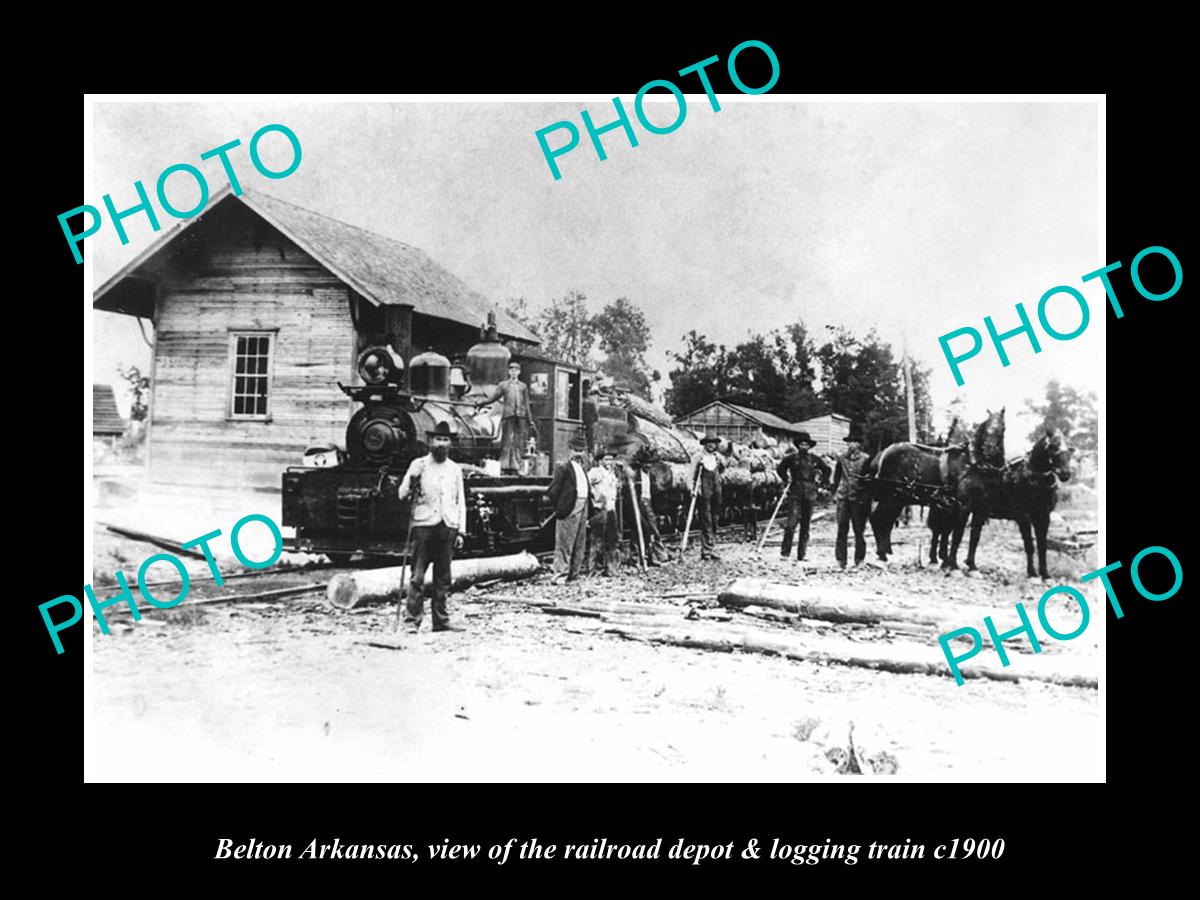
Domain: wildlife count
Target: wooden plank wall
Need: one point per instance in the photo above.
(246, 276)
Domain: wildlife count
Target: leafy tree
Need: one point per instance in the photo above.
(139, 386)
(566, 329)
(1070, 410)
(772, 372)
(703, 374)
(623, 336)
(864, 380)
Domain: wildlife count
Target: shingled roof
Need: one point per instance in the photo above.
(105, 418)
(385, 271)
(770, 420)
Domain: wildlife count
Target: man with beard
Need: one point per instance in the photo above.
(800, 471)
(439, 518)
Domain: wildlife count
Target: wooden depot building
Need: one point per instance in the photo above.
(259, 308)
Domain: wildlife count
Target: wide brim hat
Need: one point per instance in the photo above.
(802, 437)
(441, 429)
(577, 442)
(855, 434)
(709, 439)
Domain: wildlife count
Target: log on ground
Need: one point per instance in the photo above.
(830, 604)
(352, 589)
(900, 658)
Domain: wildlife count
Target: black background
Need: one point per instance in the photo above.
(136, 832)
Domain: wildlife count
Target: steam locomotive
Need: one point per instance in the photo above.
(344, 502)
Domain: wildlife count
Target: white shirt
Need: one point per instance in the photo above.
(645, 485)
(581, 482)
(442, 498)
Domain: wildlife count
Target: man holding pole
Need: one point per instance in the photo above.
(639, 478)
(438, 519)
(707, 485)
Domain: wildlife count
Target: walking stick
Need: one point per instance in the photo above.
(404, 573)
(407, 557)
(637, 518)
(771, 523)
(691, 511)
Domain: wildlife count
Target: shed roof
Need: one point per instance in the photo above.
(105, 418)
(765, 419)
(385, 271)
(830, 416)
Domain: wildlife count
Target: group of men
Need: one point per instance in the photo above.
(586, 500)
(803, 473)
(574, 490)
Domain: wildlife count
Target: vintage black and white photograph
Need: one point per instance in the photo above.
(716, 457)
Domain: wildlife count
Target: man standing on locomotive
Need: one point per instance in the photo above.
(516, 419)
(439, 518)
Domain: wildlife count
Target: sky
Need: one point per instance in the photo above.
(915, 218)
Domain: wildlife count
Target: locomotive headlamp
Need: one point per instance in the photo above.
(380, 365)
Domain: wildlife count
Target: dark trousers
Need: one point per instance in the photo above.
(655, 549)
(799, 512)
(603, 540)
(431, 544)
(851, 512)
(514, 436)
(708, 531)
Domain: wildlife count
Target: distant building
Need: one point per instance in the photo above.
(107, 424)
(740, 424)
(829, 431)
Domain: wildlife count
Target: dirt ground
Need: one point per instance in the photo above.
(286, 689)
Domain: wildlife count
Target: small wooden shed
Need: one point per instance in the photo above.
(829, 431)
(737, 423)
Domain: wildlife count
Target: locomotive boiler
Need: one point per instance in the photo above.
(345, 503)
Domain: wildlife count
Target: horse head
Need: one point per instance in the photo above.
(1051, 454)
(988, 448)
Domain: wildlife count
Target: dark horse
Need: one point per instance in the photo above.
(1029, 490)
(953, 481)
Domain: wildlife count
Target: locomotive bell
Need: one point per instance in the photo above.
(429, 375)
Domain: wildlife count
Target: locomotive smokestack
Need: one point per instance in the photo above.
(398, 325)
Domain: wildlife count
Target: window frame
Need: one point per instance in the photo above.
(272, 335)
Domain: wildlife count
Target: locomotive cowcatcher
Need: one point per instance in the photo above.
(344, 501)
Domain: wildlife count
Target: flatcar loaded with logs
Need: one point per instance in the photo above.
(343, 502)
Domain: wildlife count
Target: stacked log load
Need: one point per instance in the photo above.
(669, 453)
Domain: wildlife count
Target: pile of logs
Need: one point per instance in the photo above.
(916, 622)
